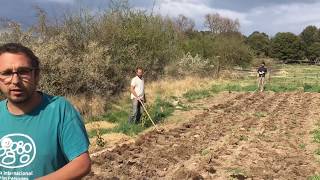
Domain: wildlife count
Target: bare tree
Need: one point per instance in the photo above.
(42, 26)
(184, 24)
(218, 24)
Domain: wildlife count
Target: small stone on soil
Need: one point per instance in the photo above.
(212, 170)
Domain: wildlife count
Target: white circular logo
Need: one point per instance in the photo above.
(16, 151)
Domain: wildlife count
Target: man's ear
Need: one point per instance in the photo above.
(37, 76)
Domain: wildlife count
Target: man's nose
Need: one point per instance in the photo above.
(15, 79)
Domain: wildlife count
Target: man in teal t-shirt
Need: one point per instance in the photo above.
(41, 136)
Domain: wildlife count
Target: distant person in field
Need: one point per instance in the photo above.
(137, 96)
(262, 71)
(41, 136)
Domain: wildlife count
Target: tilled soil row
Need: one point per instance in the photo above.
(249, 136)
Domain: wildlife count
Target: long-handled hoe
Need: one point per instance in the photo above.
(148, 115)
(105, 150)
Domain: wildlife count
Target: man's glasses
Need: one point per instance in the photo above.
(24, 73)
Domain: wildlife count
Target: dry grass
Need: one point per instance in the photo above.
(94, 106)
(99, 125)
(170, 87)
(257, 61)
(88, 106)
(283, 73)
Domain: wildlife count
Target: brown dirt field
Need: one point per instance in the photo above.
(111, 140)
(241, 136)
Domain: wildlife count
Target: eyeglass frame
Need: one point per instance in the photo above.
(19, 74)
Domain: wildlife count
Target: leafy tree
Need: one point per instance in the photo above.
(260, 43)
(286, 46)
(314, 52)
(310, 35)
(230, 50)
(212, 53)
(200, 43)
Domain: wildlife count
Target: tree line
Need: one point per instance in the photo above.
(90, 54)
(286, 46)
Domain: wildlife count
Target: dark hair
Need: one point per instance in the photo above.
(17, 48)
(263, 63)
(139, 68)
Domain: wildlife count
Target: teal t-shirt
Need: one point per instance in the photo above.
(42, 141)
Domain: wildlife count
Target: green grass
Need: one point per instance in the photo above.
(252, 87)
(128, 128)
(197, 94)
(302, 146)
(260, 114)
(316, 136)
(243, 138)
(233, 87)
(281, 87)
(237, 172)
(296, 78)
(315, 177)
(217, 88)
(183, 107)
(116, 116)
(205, 152)
(311, 88)
(158, 111)
(316, 139)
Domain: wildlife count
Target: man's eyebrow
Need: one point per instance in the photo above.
(11, 69)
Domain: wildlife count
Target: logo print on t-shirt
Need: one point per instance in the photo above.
(16, 151)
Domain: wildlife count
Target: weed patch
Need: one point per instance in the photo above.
(196, 94)
(315, 177)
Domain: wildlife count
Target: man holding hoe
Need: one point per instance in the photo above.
(137, 96)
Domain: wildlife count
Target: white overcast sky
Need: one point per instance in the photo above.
(269, 16)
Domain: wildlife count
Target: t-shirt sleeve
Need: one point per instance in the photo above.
(133, 82)
(73, 136)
